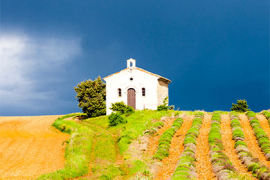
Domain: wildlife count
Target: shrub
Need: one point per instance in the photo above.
(189, 140)
(119, 107)
(240, 143)
(238, 133)
(176, 113)
(266, 114)
(129, 110)
(199, 114)
(164, 106)
(122, 108)
(240, 106)
(251, 114)
(159, 124)
(116, 118)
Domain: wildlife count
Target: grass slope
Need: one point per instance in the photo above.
(111, 162)
(94, 143)
(137, 123)
(78, 149)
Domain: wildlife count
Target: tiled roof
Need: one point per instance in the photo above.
(160, 77)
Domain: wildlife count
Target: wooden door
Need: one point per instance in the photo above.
(131, 99)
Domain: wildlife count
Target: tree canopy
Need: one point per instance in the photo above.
(91, 96)
(240, 106)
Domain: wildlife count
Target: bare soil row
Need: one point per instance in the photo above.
(203, 164)
(169, 163)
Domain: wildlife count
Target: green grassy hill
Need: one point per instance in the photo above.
(197, 145)
(97, 151)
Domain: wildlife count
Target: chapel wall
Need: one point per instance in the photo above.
(162, 91)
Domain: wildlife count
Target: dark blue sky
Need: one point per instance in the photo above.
(215, 52)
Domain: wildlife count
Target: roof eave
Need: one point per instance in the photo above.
(165, 80)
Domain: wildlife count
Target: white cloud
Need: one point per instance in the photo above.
(22, 55)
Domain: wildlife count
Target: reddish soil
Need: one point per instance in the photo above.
(203, 164)
(251, 140)
(170, 163)
(153, 141)
(264, 124)
(29, 147)
(228, 144)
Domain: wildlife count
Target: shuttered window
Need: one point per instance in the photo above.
(119, 92)
(143, 91)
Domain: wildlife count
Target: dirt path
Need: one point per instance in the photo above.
(169, 163)
(29, 147)
(264, 124)
(101, 157)
(203, 164)
(251, 140)
(228, 144)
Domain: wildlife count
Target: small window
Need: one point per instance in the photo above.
(130, 64)
(131, 79)
(119, 92)
(143, 91)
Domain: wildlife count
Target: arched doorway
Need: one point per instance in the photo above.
(131, 98)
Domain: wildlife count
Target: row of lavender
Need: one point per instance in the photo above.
(260, 134)
(258, 169)
(267, 115)
(166, 138)
(186, 164)
(222, 166)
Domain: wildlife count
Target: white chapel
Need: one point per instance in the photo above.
(136, 87)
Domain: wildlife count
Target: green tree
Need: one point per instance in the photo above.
(91, 96)
(240, 106)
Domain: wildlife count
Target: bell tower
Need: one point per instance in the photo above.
(131, 63)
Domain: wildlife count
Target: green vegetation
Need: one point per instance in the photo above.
(96, 144)
(122, 111)
(138, 123)
(166, 138)
(220, 162)
(122, 108)
(240, 106)
(258, 170)
(78, 149)
(267, 115)
(116, 118)
(104, 154)
(239, 176)
(124, 134)
(186, 166)
(91, 96)
(109, 150)
(164, 106)
(155, 127)
(261, 136)
(117, 140)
